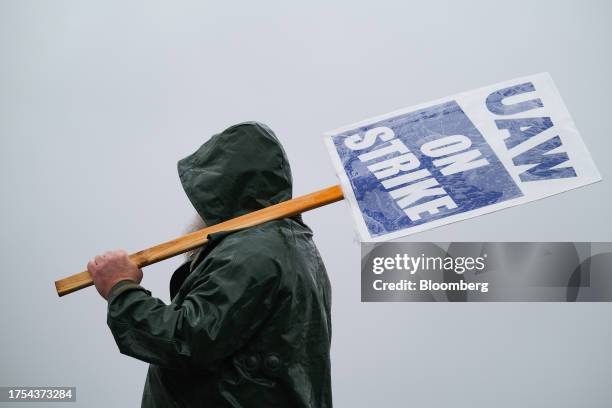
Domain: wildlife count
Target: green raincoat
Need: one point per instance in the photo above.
(249, 322)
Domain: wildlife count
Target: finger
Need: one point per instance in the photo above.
(98, 259)
(121, 252)
(91, 266)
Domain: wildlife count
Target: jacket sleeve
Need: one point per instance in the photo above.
(229, 300)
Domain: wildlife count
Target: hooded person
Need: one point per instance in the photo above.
(249, 322)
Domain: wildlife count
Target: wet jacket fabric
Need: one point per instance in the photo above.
(249, 321)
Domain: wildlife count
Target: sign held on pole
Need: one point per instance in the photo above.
(459, 157)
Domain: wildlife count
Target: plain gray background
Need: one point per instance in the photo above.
(98, 100)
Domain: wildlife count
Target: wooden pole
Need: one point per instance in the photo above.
(198, 238)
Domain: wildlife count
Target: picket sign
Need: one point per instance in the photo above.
(431, 164)
(459, 157)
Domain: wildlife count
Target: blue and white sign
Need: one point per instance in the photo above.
(458, 157)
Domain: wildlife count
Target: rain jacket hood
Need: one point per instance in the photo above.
(240, 170)
(249, 320)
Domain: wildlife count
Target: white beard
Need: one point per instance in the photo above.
(195, 225)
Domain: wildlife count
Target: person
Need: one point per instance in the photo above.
(249, 321)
